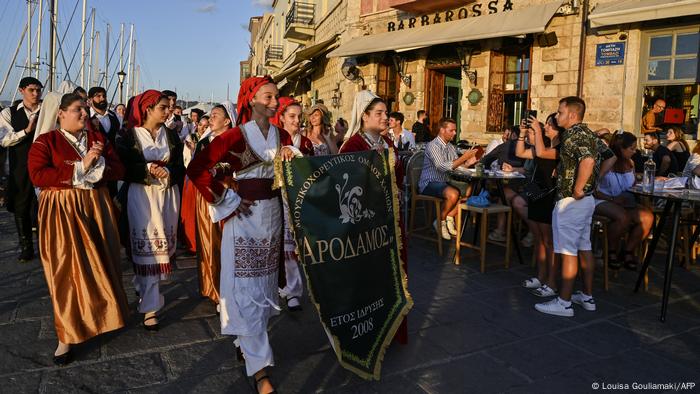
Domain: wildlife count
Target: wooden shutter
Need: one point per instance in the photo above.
(494, 118)
(435, 90)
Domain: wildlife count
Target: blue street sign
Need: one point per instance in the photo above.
(610, 54)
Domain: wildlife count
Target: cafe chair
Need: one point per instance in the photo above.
(600, 228)
(483, 231)
(413, 171)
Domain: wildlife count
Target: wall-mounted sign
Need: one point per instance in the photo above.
(610, 54)
(478, 9)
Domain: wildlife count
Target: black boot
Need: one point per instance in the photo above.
(24, 231)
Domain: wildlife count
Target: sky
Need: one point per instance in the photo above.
(191, 46)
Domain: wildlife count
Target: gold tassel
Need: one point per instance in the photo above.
(279, 173)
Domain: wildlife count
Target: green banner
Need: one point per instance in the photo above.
(344, 214)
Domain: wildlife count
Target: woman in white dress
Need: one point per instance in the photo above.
(152, 155)
(252, 237)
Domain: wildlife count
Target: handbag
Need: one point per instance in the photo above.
(534, 192)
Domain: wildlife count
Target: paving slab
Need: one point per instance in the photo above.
(468, 332)
(109, 376)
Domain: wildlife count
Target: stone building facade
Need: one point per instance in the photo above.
(619, 60)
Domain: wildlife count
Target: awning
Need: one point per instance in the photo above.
(293, 71)
(532, 19)
(629, 11)
(317, 50)
(302, 57)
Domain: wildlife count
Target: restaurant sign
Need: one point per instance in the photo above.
(610, 54)
(478, 9)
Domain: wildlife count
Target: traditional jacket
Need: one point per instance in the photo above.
(54, 148)
(358, 143)
(231, 152)
(136, 166)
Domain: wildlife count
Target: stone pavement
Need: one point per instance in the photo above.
(469, 332)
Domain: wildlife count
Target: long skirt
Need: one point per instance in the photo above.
(251, 249)
(79, 245)
(208, 251)
(188, 216)
(153, 221)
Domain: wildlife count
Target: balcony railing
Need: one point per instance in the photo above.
(274, 52)
(300, 12)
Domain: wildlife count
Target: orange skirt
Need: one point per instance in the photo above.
(80, 252)
(208, 251)
(187, 215)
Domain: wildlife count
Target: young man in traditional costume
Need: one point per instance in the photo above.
(17, 126)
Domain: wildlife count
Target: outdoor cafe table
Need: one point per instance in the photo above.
(499, 178)
(674, 201)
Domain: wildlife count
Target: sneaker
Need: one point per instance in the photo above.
(451, 226)
(544, 291)
(586, 301)
(532, 283)
(557, 307)
(528, 240)
(442, 230)
(497, 236)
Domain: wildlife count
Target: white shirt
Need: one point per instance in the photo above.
(104, 119)
(403, 138)
(84, 179)
(8, 135)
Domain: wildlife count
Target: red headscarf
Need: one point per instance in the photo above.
(282, 104)
(248, 89)
(136, 110)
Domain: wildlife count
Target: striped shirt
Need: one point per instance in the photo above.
(439, 156)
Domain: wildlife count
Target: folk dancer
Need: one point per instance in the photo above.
(152, 156)
(251, 247)
(79, 241)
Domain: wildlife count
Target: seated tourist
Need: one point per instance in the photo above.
(614, 201)
(678, 145)
(440, 157)
(665, 160)
(403, 139)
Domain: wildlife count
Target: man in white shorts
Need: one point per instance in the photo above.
(577, 174)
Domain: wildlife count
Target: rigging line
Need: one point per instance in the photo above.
(76, 48)
(3, 11)
(60, 42)
(111, 78)
(104, 77)
(15, 19)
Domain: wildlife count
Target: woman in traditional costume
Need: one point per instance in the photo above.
(369, 120)
(319, 131)
(188, 228)
(208, 232)
(152, 155)
(79, 241)
(251, 247)
(288, 117)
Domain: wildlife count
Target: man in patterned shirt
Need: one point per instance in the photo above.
(441, 157)
(581, 156)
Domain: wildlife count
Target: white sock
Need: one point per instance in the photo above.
(564, 302)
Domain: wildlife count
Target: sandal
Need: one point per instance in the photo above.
(260, 379)
(614, 261)
(630, 261)
(293, 304)
(151, 327)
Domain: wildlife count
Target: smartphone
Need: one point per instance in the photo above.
(528, 113)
